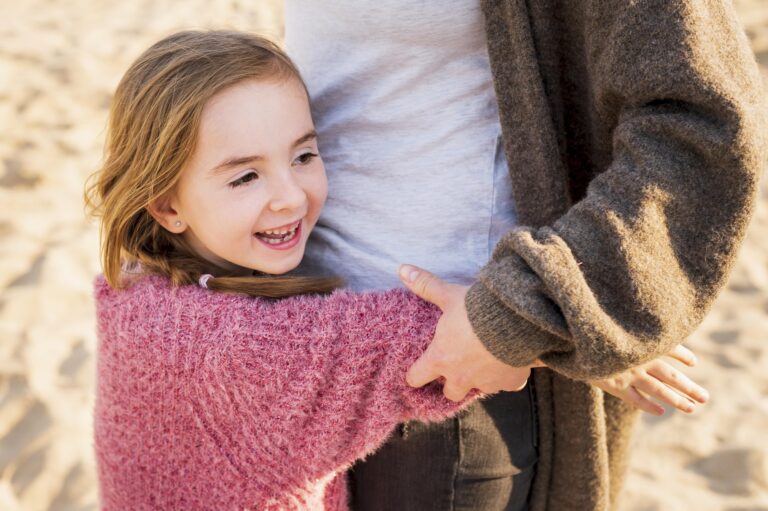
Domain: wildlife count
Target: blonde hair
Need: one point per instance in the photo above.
(152, 132)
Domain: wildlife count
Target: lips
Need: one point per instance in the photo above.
(280, 237)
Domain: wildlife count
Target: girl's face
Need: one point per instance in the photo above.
(254, 186)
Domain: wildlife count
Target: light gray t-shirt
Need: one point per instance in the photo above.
(403, 102)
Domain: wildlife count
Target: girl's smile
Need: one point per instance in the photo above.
(281, 238)
(254, 186)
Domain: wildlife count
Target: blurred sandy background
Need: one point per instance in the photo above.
(59, 63)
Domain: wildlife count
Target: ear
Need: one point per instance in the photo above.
(165, 214)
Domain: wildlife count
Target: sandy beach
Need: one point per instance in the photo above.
(59, 63)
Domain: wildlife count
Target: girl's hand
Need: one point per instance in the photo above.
(658, 380)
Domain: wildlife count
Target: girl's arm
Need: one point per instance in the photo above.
(209, 400)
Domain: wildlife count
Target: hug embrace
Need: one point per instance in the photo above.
(568, 181)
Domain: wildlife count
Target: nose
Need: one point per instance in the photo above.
(287, 193)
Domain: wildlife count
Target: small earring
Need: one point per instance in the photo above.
(177, 224)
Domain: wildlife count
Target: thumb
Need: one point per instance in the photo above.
(424, 284)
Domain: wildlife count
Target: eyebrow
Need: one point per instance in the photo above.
(239, 160)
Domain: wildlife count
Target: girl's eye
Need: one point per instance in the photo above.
(247, 178)
(306, 158)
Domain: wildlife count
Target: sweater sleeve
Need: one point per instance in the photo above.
(631, 269)
(221, 401)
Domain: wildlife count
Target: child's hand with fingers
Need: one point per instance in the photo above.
(657, 380)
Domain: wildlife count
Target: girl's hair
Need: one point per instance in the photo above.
(153, 125)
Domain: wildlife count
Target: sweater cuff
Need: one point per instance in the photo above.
(507, 335)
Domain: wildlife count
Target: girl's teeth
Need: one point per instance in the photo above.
(277, 241)
(284, 231)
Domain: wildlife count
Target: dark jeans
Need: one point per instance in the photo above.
(483, 460)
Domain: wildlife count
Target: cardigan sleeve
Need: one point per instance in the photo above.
(219, 401)
(631, 269)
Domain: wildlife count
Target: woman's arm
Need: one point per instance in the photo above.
(631, 269)
(209, 400)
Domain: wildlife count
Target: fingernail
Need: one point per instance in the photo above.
(409, 273)
(690, 408)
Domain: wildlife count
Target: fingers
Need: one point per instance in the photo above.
(675, 379)
(459, 384)
(424, 284)
(421, 372)
(516, 380)
(635, 398)
(663, 393)
(458, 387)
(516, 387)
(455, 391)
(683, 354)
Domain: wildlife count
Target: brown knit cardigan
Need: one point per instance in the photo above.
(634, 131)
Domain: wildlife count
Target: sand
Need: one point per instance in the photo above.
(59, 62)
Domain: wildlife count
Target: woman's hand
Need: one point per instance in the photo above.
(455, 352)
(657, 380)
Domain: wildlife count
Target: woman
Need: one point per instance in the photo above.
(632, 136)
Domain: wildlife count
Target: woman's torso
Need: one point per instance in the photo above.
(404, 104)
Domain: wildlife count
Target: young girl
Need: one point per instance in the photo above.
(210, 395)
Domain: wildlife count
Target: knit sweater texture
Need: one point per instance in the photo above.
(213, 401)
(635, 136)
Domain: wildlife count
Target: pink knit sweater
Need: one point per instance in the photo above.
(213, 401)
